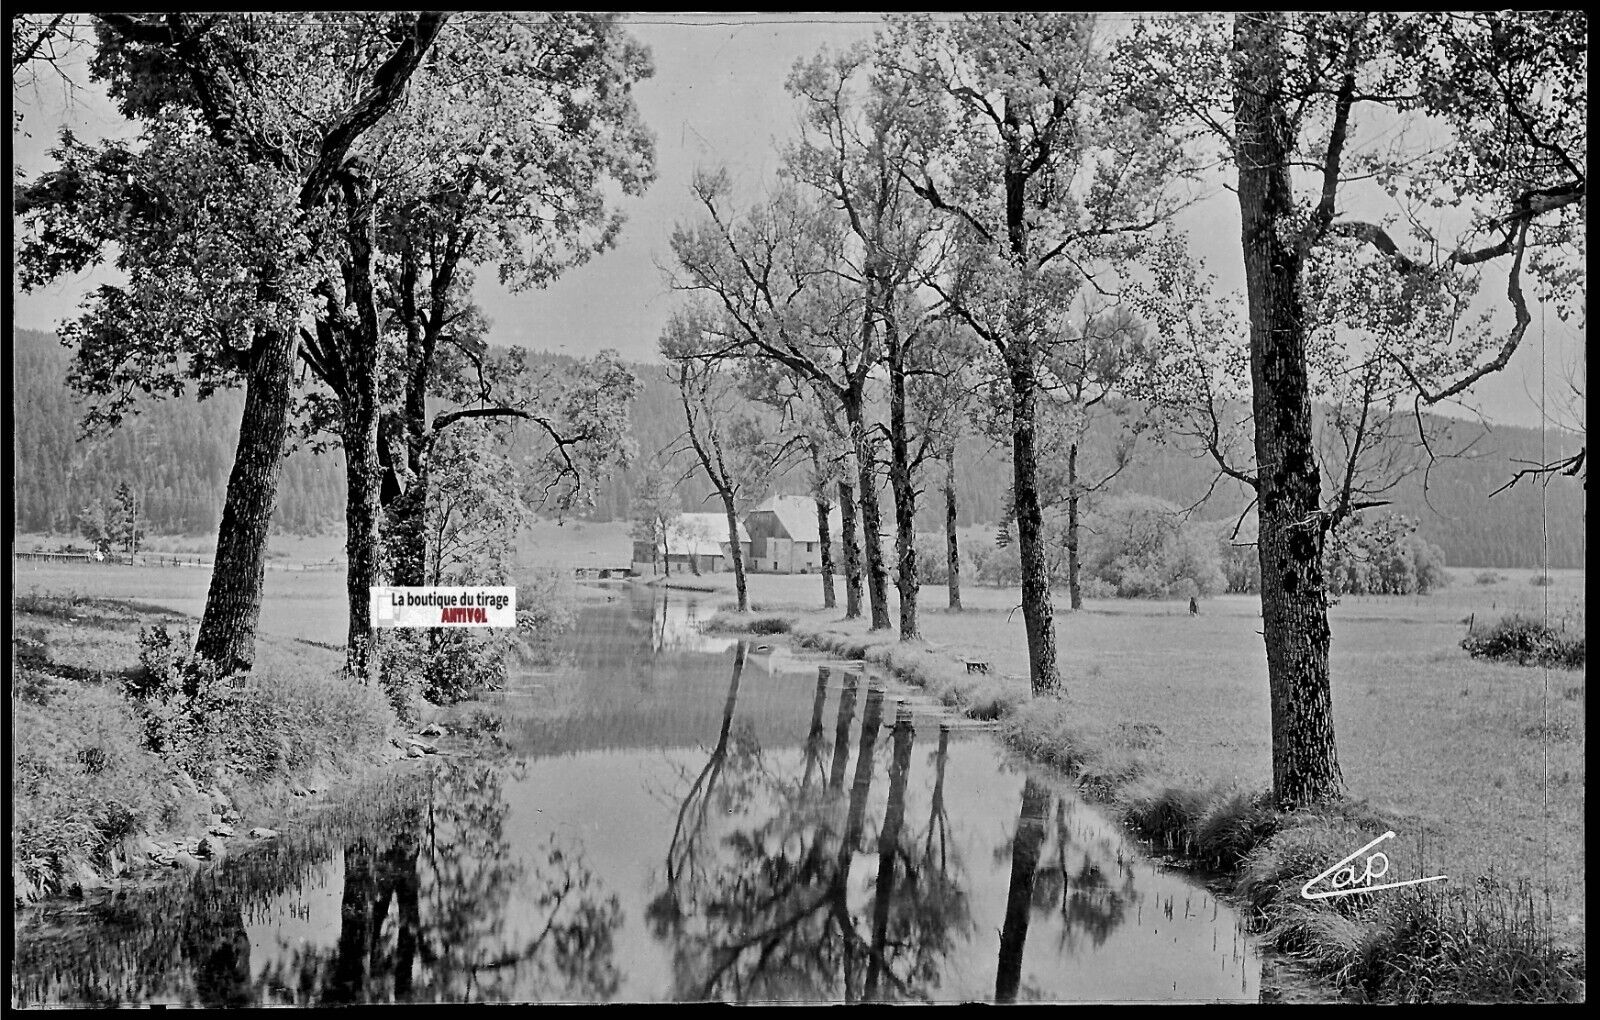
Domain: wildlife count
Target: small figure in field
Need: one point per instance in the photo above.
(1194, 607)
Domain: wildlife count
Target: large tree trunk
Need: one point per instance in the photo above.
(1294, 602)
(1021, 356)
(952, 547)
(905, 493)
(871, 515)
(736, 552)
(829, 600)
(407, 507)
(363, 470)
(852, 551)
(1074, 564)
(363, 476)
(1038, 613)
(407, 529)
(825, 540)
(233, 601)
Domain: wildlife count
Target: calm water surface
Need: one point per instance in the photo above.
(679, 817)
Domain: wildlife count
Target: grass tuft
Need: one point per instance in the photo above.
(1232, 827)
(1166, 815)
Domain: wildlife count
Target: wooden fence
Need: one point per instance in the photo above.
(121, 560)
(157, 560)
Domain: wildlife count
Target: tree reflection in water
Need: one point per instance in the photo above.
(1091, 885)
(1093, 895)
(765, 913)
(1025, 847)
(450, 874)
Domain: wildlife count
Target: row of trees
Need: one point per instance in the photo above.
(309, 196)
(1383, 556)
(977, 224)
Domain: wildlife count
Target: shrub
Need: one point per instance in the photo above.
(443, 667)
(545, 611)
(180, 699)
(310, 718)
(267, 722)
(1541, 580)
(29, 683)
(1142, 547)
(729, 621)
(1487, 577)
(405, 656)
(1527, 642)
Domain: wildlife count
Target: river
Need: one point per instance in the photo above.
(677, 816)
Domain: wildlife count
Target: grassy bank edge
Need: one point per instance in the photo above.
(94, 807)
(1485, 944)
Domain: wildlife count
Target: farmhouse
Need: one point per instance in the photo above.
(784, 537)
(694, 542)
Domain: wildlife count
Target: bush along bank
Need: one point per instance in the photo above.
(1484, 942)
(118, 768)
(758, 622)
(1527, 642)
(976, 695)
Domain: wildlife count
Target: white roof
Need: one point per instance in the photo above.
(797, 515)
(700, 534)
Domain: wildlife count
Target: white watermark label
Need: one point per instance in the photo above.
(1347, 882)
(444, 606)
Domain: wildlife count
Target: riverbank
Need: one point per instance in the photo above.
(1157, 725)
(94, 806)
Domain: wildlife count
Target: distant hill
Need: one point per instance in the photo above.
(176, 453)
(179, 452)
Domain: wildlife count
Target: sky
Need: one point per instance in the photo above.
(717, 99)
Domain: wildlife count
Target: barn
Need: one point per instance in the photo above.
(784, 537)
(694, 542)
